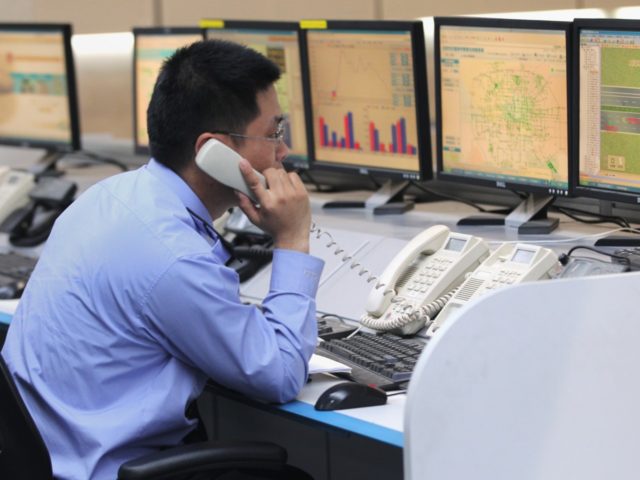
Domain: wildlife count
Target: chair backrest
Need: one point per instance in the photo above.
(23, 453)
(534, 382)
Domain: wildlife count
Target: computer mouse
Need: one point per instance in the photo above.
(350, 395)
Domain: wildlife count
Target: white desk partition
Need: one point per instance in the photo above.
(537, 381)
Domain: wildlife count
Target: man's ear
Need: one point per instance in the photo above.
(204, 137)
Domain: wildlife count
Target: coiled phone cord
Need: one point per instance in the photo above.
(319, 233)
(421, 315)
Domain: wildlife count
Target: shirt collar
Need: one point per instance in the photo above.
(179, 187)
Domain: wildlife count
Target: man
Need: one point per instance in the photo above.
(131, 308)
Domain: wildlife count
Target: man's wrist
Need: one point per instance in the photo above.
(299, 245)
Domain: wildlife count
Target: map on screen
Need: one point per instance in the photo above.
(504, 104)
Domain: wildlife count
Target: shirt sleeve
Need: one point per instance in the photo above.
(194, 311)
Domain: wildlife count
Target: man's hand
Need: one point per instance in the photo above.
(284, 211)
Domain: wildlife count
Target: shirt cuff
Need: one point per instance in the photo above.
(296, 272)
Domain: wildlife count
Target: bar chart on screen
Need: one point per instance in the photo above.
(363, 96)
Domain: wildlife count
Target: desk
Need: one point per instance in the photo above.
(372, 434)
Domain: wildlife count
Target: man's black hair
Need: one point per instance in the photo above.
(209, 86)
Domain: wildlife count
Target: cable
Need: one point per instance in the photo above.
(315, 230)
(305, 174)
(564, 258)
(376, 183)
(98, 158)
(620, 221)
(569, 240)
(455, 198)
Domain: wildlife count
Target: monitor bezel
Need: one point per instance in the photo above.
(72, 92)
(512, 24)
(141, 31)
(291, 161)
(586, 190)
(418, 50)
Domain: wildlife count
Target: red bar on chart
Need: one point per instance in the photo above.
(399, 148)
(323, 136)
(372, 137)
(347, 134)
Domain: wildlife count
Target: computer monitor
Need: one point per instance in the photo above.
(38, 102)
(278, 41)
(152, 46)
(607, 115)
(502, 111)
(367, 85)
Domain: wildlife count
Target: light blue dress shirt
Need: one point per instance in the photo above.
(129, 311)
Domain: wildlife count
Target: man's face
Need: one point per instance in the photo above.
(261, 150)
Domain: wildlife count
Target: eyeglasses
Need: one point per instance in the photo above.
(276, 138)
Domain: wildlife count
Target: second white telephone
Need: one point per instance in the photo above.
(509, 264)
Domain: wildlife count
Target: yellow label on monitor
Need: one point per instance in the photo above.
(206, 23)
(313, 24)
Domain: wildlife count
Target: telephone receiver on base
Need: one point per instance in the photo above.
(417, 282)
(222, 163)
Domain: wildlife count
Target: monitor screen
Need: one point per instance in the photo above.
(502, 103)
(368, 89)
(279, 42)
(152, 46)
(608, 109)
(38, 104)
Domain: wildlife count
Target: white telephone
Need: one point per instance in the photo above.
(508, 264)
(415, 285)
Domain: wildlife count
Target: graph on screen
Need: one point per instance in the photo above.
(504, 104)
(281, 47)
(34, 104)
(609, 141)
(363, 98)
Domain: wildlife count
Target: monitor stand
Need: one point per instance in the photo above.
(529, 217)
(382, 202)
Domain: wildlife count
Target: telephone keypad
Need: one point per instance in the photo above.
(503, 278)
(430, 271)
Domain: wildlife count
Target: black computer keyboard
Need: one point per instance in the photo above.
(375, 359)
(15, 270)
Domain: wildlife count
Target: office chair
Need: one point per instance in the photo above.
(533, 382)
(23, 453)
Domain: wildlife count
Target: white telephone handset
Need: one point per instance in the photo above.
(426, 269)
(221, 162)
(508, 264)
